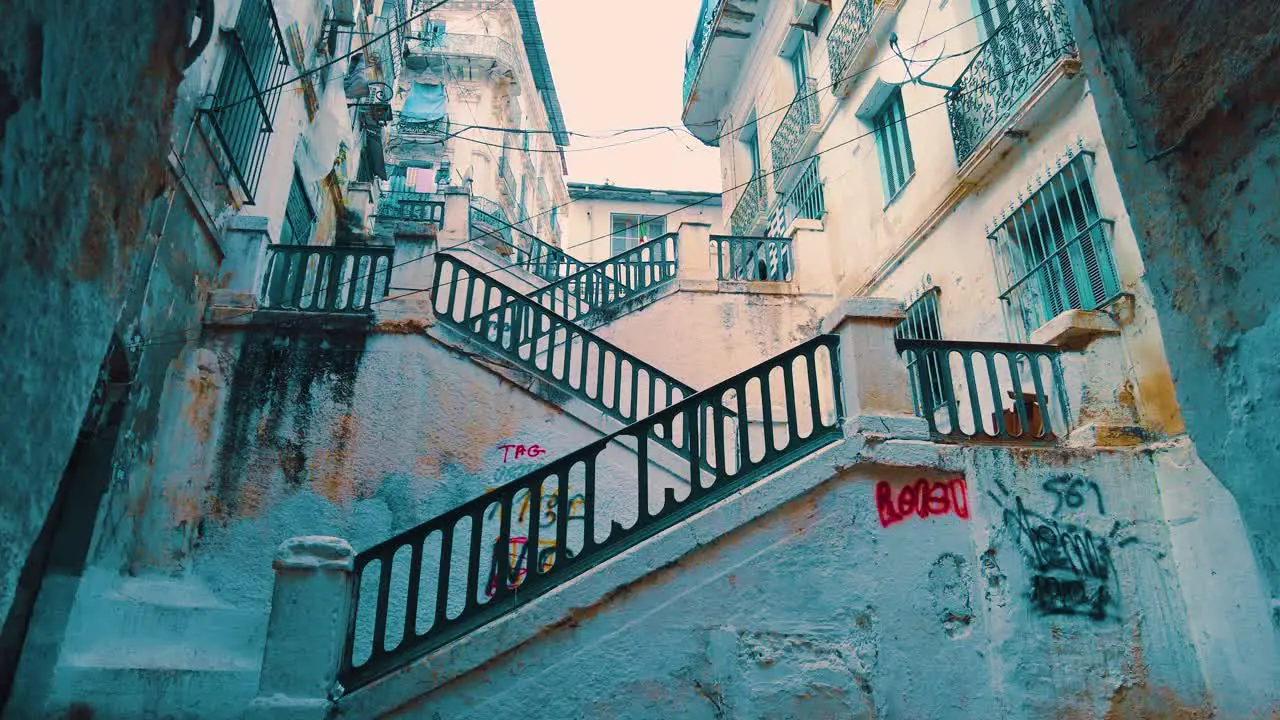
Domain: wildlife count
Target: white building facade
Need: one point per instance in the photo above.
(605, 220)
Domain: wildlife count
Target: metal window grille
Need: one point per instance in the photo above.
(922, 323)
(299, 215)
(248, 93)
(897, 164)
(1054, 251)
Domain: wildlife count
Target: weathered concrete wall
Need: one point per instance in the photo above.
(1193, 104)
(701, 336)
(81, 117)
(1040, 586)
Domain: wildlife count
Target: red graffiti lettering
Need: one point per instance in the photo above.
(922, 498)
(531, 451)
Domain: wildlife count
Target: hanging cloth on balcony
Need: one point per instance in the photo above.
(424, 104)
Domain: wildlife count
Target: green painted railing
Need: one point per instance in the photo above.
(334, 279)
(799, 119)
(749, 213)
(469, 566)
(1027, 43)
(408, 205)
(593, 290)
(529, 251)
(698, 46)
(756, 259)
(561, 352)
(990, 391)
(846, 37)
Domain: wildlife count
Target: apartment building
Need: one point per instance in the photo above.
(605, 220)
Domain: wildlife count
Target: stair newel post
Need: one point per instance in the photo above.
(312, 609)
(874, 384)
(694, 246)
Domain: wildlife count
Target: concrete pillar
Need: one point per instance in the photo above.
(414, 263)
(1099, 396)
(360, 199)
(456, 227)
(310, 615)
(244, 242)
(693, 243)
(811, 257)
(877, 393)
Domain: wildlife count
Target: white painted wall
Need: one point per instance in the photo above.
(589, 224)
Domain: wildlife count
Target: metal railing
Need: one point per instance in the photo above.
(805, 200)
(698, 46)
(549, 345)
(846, 37)
(423, 128)
(1016, 394)
(750, 210)
(466, 45)
(469, 566)
(248, 93)
(528, 250)
(598, 287)
(1018, 53)
(795, 125)
(408, 205)
(758, 259)
(323, 278)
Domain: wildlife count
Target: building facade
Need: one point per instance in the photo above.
(605, 220)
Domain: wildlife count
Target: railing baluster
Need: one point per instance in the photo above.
(383, 602)
(474, 558)
(415, 579)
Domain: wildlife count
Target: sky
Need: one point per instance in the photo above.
(620, 64)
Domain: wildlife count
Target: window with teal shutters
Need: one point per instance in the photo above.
(1054, 250)
(897, 165)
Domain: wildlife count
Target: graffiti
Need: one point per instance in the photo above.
(1072, 572)
(531, 451)
(921, 498)
(517, 561)
(1067, 489)
(549, 510)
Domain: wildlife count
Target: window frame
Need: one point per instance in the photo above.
(893, 146)
(298, 197)
(638, 222)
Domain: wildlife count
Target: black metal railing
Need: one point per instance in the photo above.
(1027, 43)
(846, 37)
(244, 105)
(528, 250)
(561, 352)
(596, 288)
(796, 124)
(469, 566)
(758, 259)
(1016, 392)
(408, 205)
(335, 279)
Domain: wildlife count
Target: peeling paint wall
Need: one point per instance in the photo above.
(1040, 586)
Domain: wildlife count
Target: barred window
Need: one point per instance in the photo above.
(248, 94)
(299, 215)
(1054, 251)
(921, 323)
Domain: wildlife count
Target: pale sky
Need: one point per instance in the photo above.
(620, 64)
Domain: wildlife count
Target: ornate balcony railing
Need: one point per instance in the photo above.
(1016, 393)
(698, 46)
(425, 128)
(749, 213)
(321, 278)
(549, 345)
(758, 259)
(1022, 49)
(846, 37)
(795, 125)
(465, 568)
(462, 44)
(593, 290)
(406, 205)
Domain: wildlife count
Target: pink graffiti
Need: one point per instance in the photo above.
(532, 451)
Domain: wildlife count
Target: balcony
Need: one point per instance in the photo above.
(328, 279)
(851, 40)
(793, 131)
(423, 47)
(749, 214)
(805, 200)
(717, 51)
(1020, 63)
(415, 206)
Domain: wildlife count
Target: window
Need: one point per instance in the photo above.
(248, 93)
(799, 66)
(628, 231)
(991, 14)
(927, 386)
(1054, 251)
(896, 163)
(751, 143)
(299, 216)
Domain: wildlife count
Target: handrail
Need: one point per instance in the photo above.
(531, 252)
(757, 259)
(579, 505)
(550, 345)
(961, 405)
(612, 281)
(326, 278)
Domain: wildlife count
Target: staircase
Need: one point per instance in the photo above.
(596, 294)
